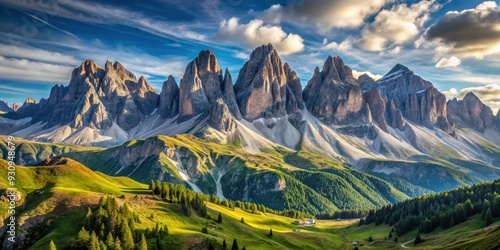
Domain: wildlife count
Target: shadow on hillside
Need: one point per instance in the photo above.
(136, 190)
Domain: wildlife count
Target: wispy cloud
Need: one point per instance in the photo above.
(24, 69)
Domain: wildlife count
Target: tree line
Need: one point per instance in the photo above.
(444, 209)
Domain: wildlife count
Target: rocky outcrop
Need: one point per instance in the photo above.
(4, 107)
(228, 95)
(265, 88)
(365, 82)
(334, 96)
(169, 98)
(94, 98)
(220, 117)
(200, 86)
(472, 112)
(377, 107)
(15, 106)
(414, 97)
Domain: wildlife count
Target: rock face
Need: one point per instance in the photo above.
(220, 117)
(94, 98)
(415, 98)
(169, 98)
(365, 82)
(266, 88)
(203, 88)
(4, 107)
(497, 119)
(334, 96)
(15, 106)
(377, 107)
(472, 112)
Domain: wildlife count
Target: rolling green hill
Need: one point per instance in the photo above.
(57, 198)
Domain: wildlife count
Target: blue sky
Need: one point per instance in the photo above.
(453, 43)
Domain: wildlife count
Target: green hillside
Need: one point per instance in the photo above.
(58, 198)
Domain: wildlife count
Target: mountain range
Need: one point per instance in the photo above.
(390, 138)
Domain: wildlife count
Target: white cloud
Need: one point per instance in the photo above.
(325, 14)
(23, 69)
(448, 62)
(343, 46)
(396, 26)
(357, 74)
(468, 33)
(488, 94)
(36, 54)
(256, 33)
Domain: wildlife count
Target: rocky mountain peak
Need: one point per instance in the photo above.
(228, 95)
(4, 107)
(398, 68)
(472, 112)
(365, 81)
(263, 88)
(29, 101)
(334, 97)
(200, 86)
(88, 67)
(169, 98)
(15, 106)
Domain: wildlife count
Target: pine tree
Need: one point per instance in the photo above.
(93, 242)
(219, 219)
(488, 218)
(242, 220)
(144, 243)
(418, 240)
(52, 245)
(83, 237)
(224, 244)
(244, 248)
(110, 242)
(118, 244)
(370, 239)
(102, 245)
(396, 239)
(271, 232)
(235, 245)
(126, 235)
(152, 185)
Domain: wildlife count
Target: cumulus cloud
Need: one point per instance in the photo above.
(488, 94)
(468, 33)
(325, 14)
(397, 25)
(448, 62)
(343, 46)
(256, 33)
(357, 74)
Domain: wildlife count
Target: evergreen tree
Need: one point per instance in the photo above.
(219, 218)
(211, 246)
(396, 239)
(102, 245)
(242, 220)
(110, 242)
(126, 236)
(235, 245)
(93, 242)
(152, 185)
(418, 240)
(83, 237)
(52, 245)
(488, 218)
(361, 222)
(224, 244)
(244, 248)
(271, 232)
(370, 239)
(118, 244)
(144, 244)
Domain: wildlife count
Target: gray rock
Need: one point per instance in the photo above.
(472, 112)
(200, 86)
(4, 107)
(334, 97)
(169, 98)
(414, 97)
(262, 88)
(377, 107)
(229, 96)
(220, 117)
